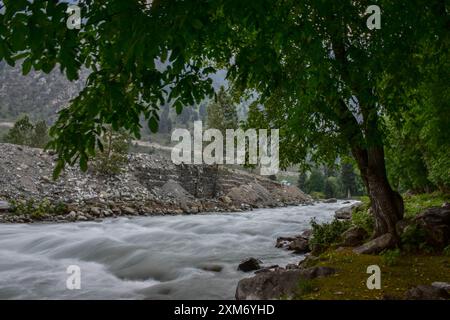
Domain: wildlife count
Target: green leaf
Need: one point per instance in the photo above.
(153, 124)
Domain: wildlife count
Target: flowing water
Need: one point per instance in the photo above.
(161, 257)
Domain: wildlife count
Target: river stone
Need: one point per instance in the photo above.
(280, 282)
(376, 245)
(441, 285)
(250, 264)
(353, 237)
(425, 292)
(331, 200)
(346, 212)
(4, 206)
(299, 245)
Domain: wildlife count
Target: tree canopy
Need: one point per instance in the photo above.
(325, 79)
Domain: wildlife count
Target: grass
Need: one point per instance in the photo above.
(350, 280)
(414, 204)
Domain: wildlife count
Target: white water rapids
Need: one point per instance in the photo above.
(160, 257)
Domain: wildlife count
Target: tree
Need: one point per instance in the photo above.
(348, 180)
(21, 133)
(324, 78)
(113, 153)
(40, 138)
(221, 113)
(301, 183)
(315, 182)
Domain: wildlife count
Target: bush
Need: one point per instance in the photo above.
(390, 257)
(362, 218)
(317, 195)
(446, 251)
(113, 156)
(37, 210)
(326, 234)
(414, 239)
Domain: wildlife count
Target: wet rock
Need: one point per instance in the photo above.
(283, 242)
(346, 212)
(249, 264)
(280, 282)
(376, 245)
(212, 268)
(354, 237)
(331, 200)
(426, 292)
(299, 245)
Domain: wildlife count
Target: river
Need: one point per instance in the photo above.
(160, 257)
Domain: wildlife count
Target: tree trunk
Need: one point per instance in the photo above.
(387, 204)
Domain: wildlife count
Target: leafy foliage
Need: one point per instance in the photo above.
(222, 113)
(28, 134)
(391, 257)
(326, 234)
(113, 155)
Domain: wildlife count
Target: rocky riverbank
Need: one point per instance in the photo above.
(149, 184)
(340, 271)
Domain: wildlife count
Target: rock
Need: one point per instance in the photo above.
(346, 212)
(299, 245)
(71, 216)
(441, 285)
(95, 211)
(252, 194)
(4, 206)
(376, 245)
(212, 268)
(307, 234)
(426, 292)
(401, 226)
(249, 264)
(435, 222)
(331, 200)
(280, 282)
(128, 211)
(353, 237)
(283, 242)
(225, 199)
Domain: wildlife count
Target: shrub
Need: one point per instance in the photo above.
(414, 239)
(113, 153)
(326, 234)
(304, 287)
(363, 219)
(37, 210)
(390, 257)
(446, 251)
(317, 195)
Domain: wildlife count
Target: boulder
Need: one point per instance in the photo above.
(299, 245)
(283, 242)
(252, 194)
(346, 212)
(376, 245)
(4, 206)
(354, 237)
(331, 200)
(442, 285)
(426, 292)
(280, 282)
(249, 264)
(435, 222)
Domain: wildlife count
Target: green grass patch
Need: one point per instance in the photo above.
(409, 270)
(415, 204)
